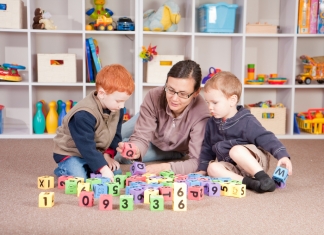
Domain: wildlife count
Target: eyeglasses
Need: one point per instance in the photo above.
(180, 94)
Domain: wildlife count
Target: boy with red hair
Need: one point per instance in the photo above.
(90, 132)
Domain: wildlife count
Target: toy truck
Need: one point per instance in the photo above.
(103, 23)
(313, 70)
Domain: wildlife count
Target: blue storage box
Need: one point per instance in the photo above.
(217, 18)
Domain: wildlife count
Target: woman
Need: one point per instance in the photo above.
(170, 124)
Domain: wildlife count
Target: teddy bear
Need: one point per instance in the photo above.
(165, 18)
(38, 15)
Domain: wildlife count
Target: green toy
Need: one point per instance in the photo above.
(99, 10)
(166, 18)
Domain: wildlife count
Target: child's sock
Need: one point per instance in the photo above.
(266, 183)
(252, 184)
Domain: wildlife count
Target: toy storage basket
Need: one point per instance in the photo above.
(272, 119)
(310, 123)
(217, 18)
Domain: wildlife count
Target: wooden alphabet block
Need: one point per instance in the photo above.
(195, 193)
(280, 174)
(238, 190)
(71, 186)
(166, 192)
(225, 189)
(121, 180)
(46, 199)
(113, 189)
(138, 168)
(148, 193)
(180, 177)
(105, 180)
(86, 198)
(61, 181)
(129, 150)
(179, 191)
(45, 182)
(83, 187)
(78, 179)
(157, 203)
(126, 203)
(99, 189)
(138, 194)
(105, 202)
(212, 189)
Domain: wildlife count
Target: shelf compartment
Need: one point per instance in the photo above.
(120, 8)
(315, 98)
(42, 43)
(16, 112)
(239, 18)
(252, 96)
(271, 55)
(276, 12)
(14, 50)
(66, 15)
(224, 53)
(310, 46)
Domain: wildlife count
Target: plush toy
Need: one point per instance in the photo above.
(165, 18)
(47, 21)
(38, 15)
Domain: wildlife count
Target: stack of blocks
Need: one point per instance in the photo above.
(141, 187)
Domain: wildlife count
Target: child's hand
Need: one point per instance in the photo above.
(112, 164)
(129, 154)
(285, 161)
(106, 172)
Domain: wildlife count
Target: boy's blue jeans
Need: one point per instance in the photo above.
(77, 167)
(153, 153)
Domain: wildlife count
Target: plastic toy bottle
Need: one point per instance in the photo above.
(52, 118)
(62, 114)
(39, 120)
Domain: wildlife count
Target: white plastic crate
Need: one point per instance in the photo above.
(158, 68)
(56, 67)
(11, 14)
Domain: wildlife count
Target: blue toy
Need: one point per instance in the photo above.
(165, 18)
(280, 175)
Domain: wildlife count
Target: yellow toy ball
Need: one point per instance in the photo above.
(88, 27)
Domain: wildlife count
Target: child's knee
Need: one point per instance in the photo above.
(213, 167)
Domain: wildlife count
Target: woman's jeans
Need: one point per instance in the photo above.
(153, 153)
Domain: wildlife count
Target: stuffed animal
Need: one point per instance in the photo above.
(165, 18)
(38, 15)
(49, 24)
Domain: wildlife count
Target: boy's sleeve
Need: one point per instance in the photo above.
(118, 138)
(82, 130)
(206, 154)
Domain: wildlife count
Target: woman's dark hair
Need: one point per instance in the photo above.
(183, 69)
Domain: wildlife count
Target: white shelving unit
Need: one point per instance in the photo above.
(271, 53)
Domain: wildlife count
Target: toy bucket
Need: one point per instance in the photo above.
(1, 119)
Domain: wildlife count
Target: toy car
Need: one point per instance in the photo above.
(125, 24)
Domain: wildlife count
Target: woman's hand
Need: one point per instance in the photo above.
(133, 152)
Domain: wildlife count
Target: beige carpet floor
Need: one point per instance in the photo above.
(296, 209)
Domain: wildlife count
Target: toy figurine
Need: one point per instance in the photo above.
(9, 72)
(99, 10)
(166, 18)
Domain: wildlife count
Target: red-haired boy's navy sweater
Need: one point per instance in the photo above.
(81, 127)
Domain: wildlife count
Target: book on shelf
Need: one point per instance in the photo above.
(89, 63)
(94, 54)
